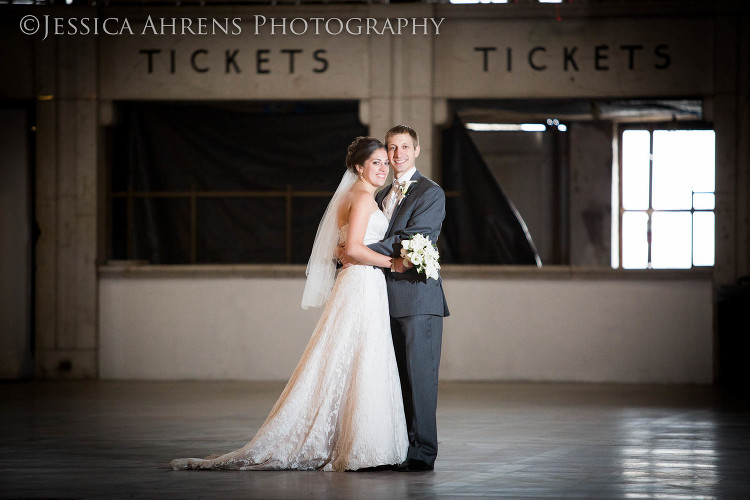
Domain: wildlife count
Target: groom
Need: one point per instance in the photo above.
(415, 205)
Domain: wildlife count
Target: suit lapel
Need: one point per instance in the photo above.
(416, 177)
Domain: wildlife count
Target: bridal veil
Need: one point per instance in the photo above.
(321, 268)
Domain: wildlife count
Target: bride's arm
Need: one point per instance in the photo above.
(355, 249)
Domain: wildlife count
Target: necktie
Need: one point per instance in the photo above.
(392, 198)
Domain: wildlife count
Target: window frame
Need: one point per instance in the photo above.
(193, 196)
(651, 127)
(287, 194)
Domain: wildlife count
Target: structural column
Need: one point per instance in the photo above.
(401, 87)
(66, 206)
(731, 223)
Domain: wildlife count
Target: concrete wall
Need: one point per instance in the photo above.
(482, 52)
(550, 325)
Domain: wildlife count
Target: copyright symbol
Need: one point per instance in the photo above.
(29, 25)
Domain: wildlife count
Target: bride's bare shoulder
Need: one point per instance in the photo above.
(362, 199)
(351, 201)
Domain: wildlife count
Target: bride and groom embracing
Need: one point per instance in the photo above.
(364, 394)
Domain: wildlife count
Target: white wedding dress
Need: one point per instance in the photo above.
(342, 407)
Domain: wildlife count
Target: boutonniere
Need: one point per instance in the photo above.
(406, 186)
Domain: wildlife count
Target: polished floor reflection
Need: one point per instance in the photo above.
(115, 439)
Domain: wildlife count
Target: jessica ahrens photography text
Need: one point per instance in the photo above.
(47, 25)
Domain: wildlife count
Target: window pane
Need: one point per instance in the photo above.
(634, 240)
(671, 239)
(635, 164)
(701, 149)
(703, 239)
(704, 201)
(683, 162)
(672, 171)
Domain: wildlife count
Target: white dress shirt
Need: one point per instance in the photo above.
(395, 196)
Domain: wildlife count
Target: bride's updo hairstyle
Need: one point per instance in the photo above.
(360, 150)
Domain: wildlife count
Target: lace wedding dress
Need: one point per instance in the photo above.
(342, 407)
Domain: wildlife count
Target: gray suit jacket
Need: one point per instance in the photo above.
(422, 210)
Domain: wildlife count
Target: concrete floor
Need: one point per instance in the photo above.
(115, 439)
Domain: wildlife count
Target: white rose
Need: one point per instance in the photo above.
(431, 272)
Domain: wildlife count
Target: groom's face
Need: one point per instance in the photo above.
(401, 153)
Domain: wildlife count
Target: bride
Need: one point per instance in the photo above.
(342, 407)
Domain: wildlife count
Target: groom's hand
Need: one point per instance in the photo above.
(339, 252)
(342, 257)
(346, 261)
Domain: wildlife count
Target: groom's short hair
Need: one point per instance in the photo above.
(402, 129)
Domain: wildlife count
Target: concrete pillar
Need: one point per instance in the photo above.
(590, 194)
(46, 200)
(723, 113)
(66, 184)
(743, 153)
(401, 84)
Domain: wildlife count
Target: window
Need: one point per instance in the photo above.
(224, 182)
(667, 198)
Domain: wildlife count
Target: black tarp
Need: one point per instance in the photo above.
(230, 147)
(481, 224)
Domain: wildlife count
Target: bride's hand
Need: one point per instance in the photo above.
(400, 265)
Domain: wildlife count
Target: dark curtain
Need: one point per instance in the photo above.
(179, 147)
(481, 224)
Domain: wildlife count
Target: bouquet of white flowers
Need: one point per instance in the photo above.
(423, 254)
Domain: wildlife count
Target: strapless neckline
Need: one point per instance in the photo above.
(376, 228)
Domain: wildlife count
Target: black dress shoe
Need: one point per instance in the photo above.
(414, 465)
